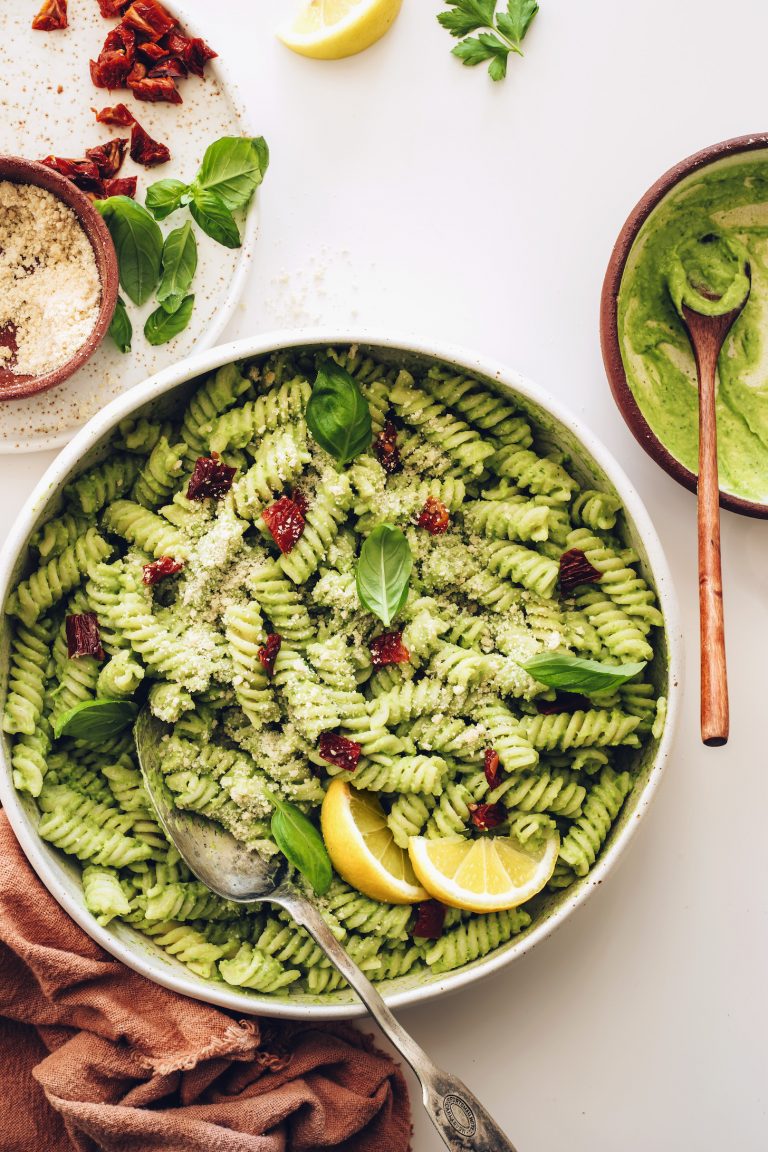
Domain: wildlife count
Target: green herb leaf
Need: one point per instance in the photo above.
(515, 22)
(162, 326)
(179, 265)
(383, 572)
(233, 167)
(173, 303)
(338, 415)
(467, 16)
(301, 844)
(165, 196)
(213, 216)
(572, 674)
(138, 243)
(498, 33)
(95, 721)
(120, 328)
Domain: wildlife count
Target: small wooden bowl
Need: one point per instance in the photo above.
(609, 335)
(20, 171)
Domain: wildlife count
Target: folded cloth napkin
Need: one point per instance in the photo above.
(95, 1057)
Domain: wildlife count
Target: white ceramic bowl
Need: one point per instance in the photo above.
(592, 462)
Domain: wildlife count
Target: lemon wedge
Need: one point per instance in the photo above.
(331, 29)
(491, 874)
(362, 849)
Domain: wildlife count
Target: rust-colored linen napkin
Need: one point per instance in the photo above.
(95, 1057)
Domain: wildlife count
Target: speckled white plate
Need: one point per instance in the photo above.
(48, 102)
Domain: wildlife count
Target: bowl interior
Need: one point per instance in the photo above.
(62, 876)
(16, 170)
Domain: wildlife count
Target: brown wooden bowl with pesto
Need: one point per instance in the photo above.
(721, 191)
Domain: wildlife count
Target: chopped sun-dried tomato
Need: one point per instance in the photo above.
(51, 17)
(192, 50)
(339, 751)
(267, 654)
(155, 91)
(116, 59)
(563, 702)
(145, 150)
(108, 157)
(153, 52)
(385, 448)
(122, 186)
(211, 477)
(485, 816)
(119, 115)
(492, 768)
(300, 499)
(82, 173)
(111, 9)
(159, 569)
(430, 920)
(388, 648)
(575, 569)
(434, 517)
(172, 66)
(285, 521)
(149, 18)
(83, 637)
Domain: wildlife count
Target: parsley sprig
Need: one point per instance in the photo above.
(502, 32)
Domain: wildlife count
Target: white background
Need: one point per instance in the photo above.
(409, 193)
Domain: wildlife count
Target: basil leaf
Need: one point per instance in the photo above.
(138, 243)
(179, 264)
(173, 303)
(120, 328)
(338, 415)
(213, 216)
(383, 572)
(572, 674)
(95, 721)
(302, 845)
(164, 197)
(162, 326)
(233, 167)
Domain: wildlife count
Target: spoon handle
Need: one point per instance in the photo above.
(456, 1113)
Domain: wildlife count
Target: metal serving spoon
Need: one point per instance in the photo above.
(234, 872)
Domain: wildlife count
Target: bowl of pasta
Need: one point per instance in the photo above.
(196, 549)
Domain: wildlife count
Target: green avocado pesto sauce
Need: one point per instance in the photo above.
(694, 246)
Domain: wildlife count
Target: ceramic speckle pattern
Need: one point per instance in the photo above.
(48, 102)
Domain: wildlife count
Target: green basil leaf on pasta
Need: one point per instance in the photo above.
(165, 196)
(383, 572)
(179, 264)
(338, 415)
(162, 326)
(95, 721)
(572, 674)
(211, 213)
(233, 167)
(138, 243)
(120, 327)
(302, 845)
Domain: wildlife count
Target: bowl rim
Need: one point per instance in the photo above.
(19, 170)
(205, 361)
(609, 335)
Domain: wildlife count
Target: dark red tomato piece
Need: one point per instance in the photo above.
(485, 816)
(82, 173)
(51, 17)
(575, 569)
(172, 66)
(339, 751)
(145, 150)
(385, 448)
(267, 654)
(108, 157)
(388, 648)
(285, 521)
(192, 50)
(153, 52)
(119, 115)
(492, 766)
(430, 920)
(149, 18)
(159, 569)
(434, 517)
(114, 62)
(162, 90)
(122, 186)
(83, 637)
(111, 9)
(211, 478)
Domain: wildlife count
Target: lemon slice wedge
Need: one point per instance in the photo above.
(491, 874)
(331, 29)
(362, 848)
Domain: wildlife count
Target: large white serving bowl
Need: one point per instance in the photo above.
(593, 466)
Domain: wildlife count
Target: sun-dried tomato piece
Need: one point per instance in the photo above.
(563, 702)
(51, 17)
(149, 18)
(267, 654)
(388, 648)
(211, 477)
(339, 751)
(300, 499)
(145, 150)
(111, 9)
(434, 517)
(153, 52)
(82, 173)
(122, 186)
(485, 816)
(172, 66)
(492, 766)
(161, 90)
(159, 569)
(385, 448)
(116, 59)
(192, 50)
(119, 115)
(575, 569)
(285, 521)
(430, 920)
(108, 157)
(83, 636)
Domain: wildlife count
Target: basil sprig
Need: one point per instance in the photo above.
(179, 266)
(572, 674)
(383, 572)
(338, 415)
(120, 327)
(138, 243)
(95, 721)
(162, 325)
(233, 167)
(301, 844)
(165, 196)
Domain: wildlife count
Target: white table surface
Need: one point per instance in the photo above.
(409, 193)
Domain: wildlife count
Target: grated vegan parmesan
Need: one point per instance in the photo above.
(50, 291)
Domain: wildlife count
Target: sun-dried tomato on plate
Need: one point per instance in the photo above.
(52, 16)
(388, 648)
(83, 636)
(159, 569)
(211, 477)
(340, 751)
(575, 569)
(108, 157)
(434, 517)
(144, 150)
(285, 521)
(119, 115)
